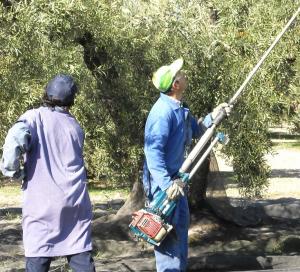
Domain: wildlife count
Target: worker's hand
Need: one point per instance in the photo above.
(176, 190)
(224, 106)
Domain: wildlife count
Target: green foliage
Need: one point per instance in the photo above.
(112, 48)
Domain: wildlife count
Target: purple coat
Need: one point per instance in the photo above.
(57, 211)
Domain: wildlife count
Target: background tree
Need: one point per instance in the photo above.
(112, 48)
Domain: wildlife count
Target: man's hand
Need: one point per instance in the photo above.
(176, 190)
(224, 106)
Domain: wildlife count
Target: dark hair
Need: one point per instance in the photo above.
(52, 102)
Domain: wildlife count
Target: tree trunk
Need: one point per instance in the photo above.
(198, 186)
(135, 201)
(117, 225)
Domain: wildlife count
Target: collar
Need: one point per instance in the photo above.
(175, 104)
(61, 109)
(58, 109)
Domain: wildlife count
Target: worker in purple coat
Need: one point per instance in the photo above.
(57, 211)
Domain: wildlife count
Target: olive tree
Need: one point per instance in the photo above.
(112, 49)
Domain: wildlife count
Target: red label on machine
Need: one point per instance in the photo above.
(148, 223)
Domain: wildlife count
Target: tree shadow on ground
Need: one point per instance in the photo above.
(285, 173)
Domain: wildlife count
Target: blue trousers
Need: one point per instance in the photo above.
(172, 254)
(81, 262)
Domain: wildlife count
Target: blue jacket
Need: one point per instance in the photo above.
(169, 130)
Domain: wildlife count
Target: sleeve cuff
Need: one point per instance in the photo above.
(208, 120)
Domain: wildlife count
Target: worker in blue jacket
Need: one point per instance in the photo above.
(169, 130)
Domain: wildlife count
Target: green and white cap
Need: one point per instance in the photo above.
(164, 76)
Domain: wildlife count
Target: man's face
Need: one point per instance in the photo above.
(181, 81)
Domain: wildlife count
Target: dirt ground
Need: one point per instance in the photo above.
(215, 245)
